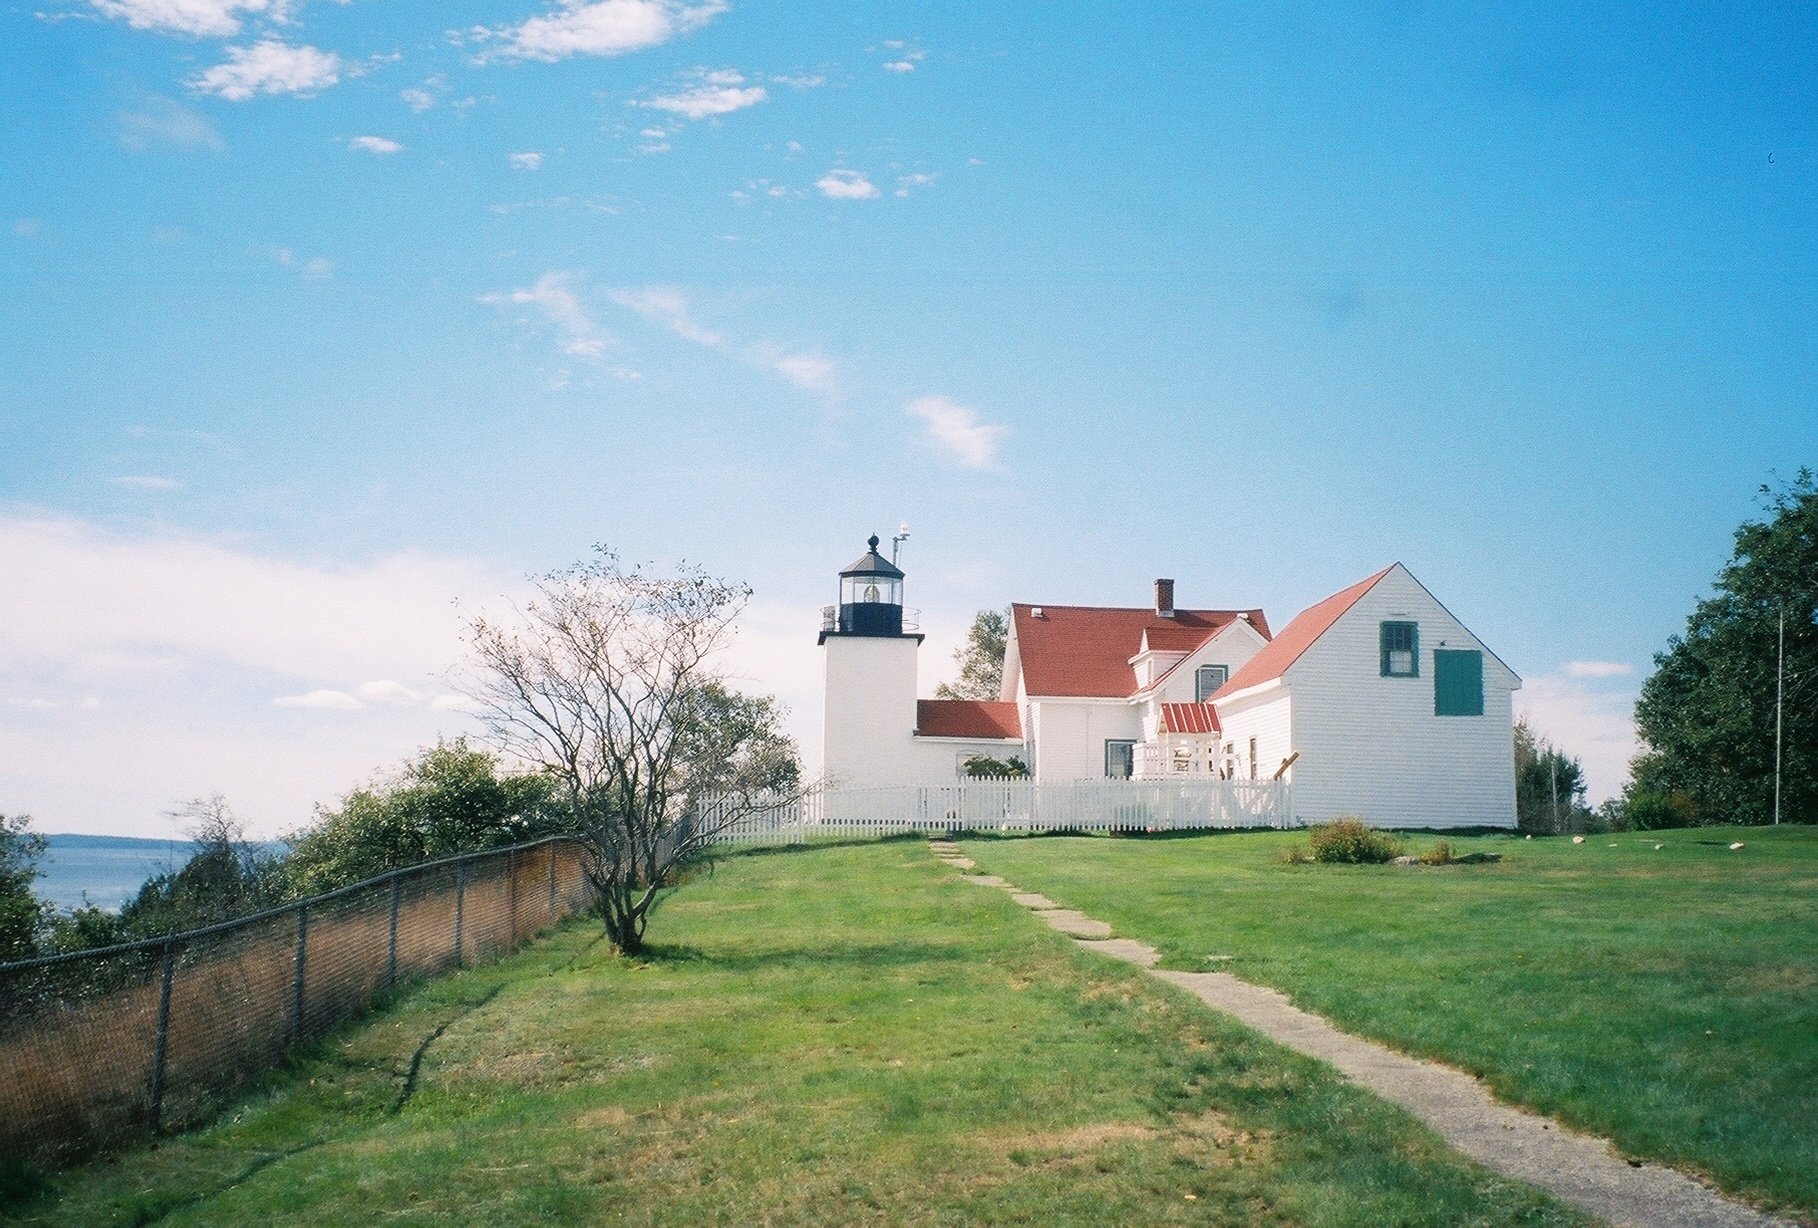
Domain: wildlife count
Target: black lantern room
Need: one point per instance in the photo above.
(871, 596)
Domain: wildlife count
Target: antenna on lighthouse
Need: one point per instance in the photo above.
(896, 543)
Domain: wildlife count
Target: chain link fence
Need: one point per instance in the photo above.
(101, 1047)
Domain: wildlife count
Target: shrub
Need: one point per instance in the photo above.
(1295, 855)
(1657, 811)
(1349, 842)
(1441, 854)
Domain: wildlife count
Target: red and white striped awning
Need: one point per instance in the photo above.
(1189, 718)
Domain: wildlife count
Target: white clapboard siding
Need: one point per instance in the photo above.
(1371, 746)
(1001, 805)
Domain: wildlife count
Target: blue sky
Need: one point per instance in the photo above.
(317, 318)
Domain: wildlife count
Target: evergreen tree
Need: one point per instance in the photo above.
(980, 658)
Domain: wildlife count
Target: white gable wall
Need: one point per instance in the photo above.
(1371, 746)
(1068, 735)
(1267, 716)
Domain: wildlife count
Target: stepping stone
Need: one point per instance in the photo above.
(1075, 924)
(1029, 899)
(985, 880)
(1127, 949)
(960, 863)
(941, 846)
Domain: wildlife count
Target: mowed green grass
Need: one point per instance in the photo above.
(1666, 998)
(824, 1036)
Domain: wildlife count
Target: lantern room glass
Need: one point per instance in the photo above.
(871, 589)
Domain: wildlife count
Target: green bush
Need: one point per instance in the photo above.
(1349, 842)
(1656, 811)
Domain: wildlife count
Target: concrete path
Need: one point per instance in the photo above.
(1578, 1169)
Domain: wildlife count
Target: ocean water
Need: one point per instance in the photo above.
(109, 870)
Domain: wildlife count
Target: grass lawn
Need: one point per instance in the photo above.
(829, 1035)
(1667, 998)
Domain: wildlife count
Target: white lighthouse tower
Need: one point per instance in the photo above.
(870, 712)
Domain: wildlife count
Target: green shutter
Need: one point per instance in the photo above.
(1457, 682)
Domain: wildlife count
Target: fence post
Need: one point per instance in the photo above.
(157, 1084)
(391, 941)
(552, 884)
(511, 898)
(296, 1007)
(460, 901)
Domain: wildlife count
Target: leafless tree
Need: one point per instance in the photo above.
(606, 681)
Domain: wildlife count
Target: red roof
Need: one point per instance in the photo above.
(967, 718)
(1086, 650)
(1189, 718)
(1298, 636)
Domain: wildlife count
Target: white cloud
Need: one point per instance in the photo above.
(604, 27)
(384, 691)
(312, 268)
(906, 62)
(417, 100)
(375, 145)
(810, 371)
(528, 160)
(28, 228)
(1599, 669)
(669, 307)
(900, 66)
(800, 83)
(324, 700)
(198, 18)
(957, 431)
(921, 179)
(160, 122)
(712, 93)
(846, 185)
(269, 67)
(1593, 724)
(558, 303)
(146, 482)
(183, 641)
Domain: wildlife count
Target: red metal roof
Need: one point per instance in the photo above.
(1086, 650)
(1298, 636)
(1189, 718)
(967, 718)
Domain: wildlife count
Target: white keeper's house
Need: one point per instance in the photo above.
(1374, 702)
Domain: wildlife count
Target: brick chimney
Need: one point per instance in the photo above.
(1164, 598)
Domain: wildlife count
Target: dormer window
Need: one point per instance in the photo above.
(1207, 679)
(1400, 650)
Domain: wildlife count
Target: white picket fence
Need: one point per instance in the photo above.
(1004, 805)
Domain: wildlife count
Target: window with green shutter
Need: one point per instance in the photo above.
(1401, 650)
(1457, 682)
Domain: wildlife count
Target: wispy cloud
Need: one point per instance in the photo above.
(921, 179)
(147, 482)
(1599, 669)
(708, 94)
(527, 160)
(906, 57)
(668, 307)
(602, 28)
(809, 371)
(27, 228)
(164, 123)
(269, 67)
(846, 185)
(309, 268)
(553, 296)
(957, 432)
(197, 18)
(375, 145)
(331, 701)
(417, 100)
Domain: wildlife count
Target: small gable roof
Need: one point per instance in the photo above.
(967, 718)
(1085, 651)
(1189, 718)
(1298, 636)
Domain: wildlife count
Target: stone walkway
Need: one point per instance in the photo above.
(1578, 1169)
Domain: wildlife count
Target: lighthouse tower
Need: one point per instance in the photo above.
(869, 736)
